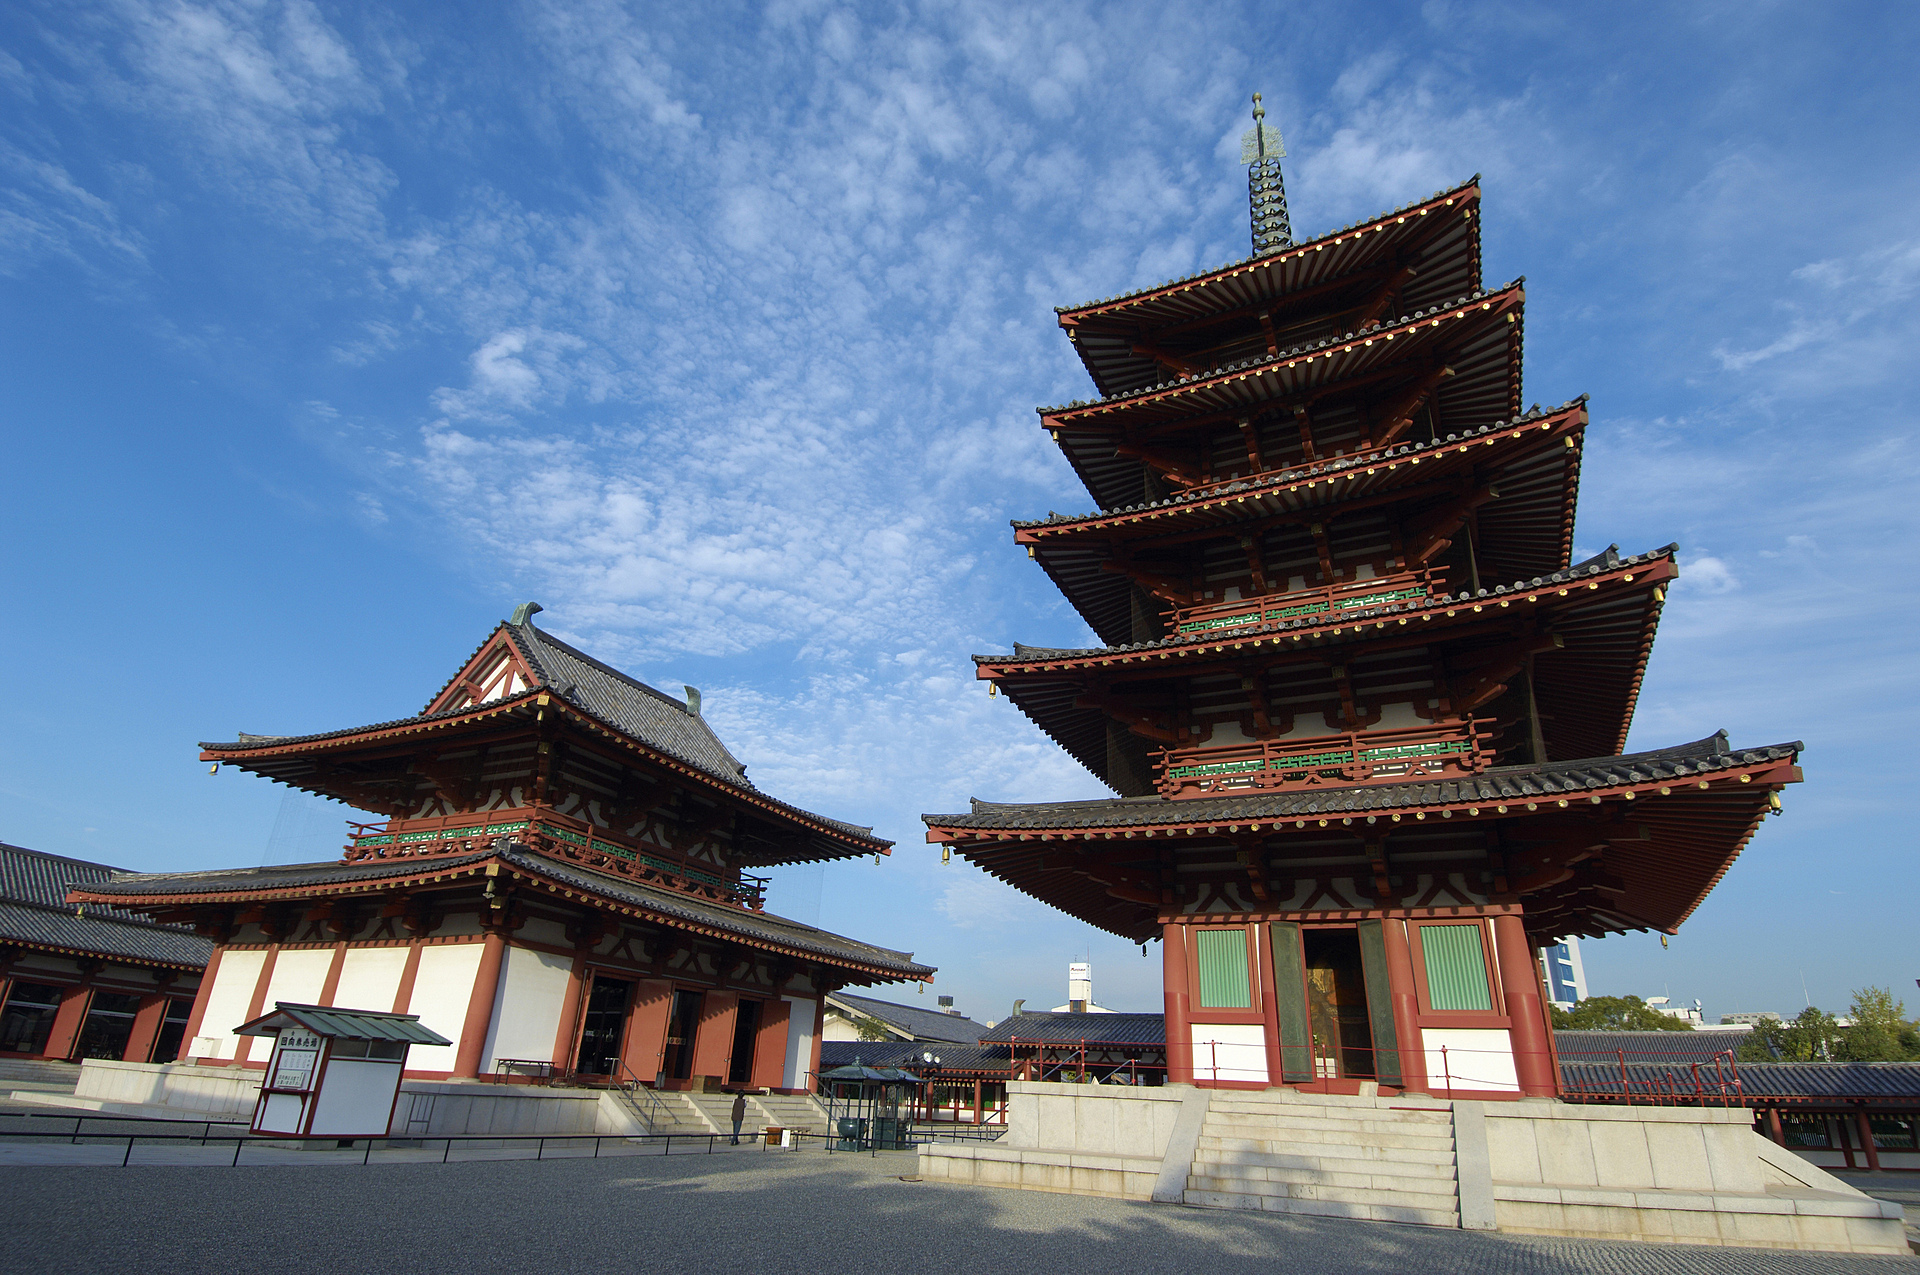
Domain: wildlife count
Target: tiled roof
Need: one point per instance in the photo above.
(1332, 467)
(1607, 560)
(643, 714)
(1882, 1082)
(953, 1055)
(666, 904)
(1293, 248)
(1675, 1046)
(355, 1024)
(1497, 784)
(34, 911)
(921, 1024)
(1119, 1029)
(1293, 352)
(655, 719)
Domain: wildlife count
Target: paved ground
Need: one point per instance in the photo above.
(764, 1212)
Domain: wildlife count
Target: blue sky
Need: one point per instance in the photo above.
(331, 332)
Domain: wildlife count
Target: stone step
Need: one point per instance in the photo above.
(1433, 1192)
(1370, 1210)
(1377, 1166)
(1247, 1137)
(1295, 1100)
(1318, 1116)
(40, 1073)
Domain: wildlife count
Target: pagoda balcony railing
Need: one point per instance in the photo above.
(1449, 750)
(551, 833)
(1324, 600)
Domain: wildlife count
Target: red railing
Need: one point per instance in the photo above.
(555, 834)
(1445, 750)
(1111, 1062)
(1325, 601)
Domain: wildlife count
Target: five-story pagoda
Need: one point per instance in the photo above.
(1362, 712)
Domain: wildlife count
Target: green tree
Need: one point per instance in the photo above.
(873, 1029)
(1616, 1014)
(1813, 1035)
(1880, 1031)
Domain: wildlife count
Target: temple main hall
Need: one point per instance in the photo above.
(1362, 712)
(559, 877)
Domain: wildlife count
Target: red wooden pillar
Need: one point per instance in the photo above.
(1774, 1130)
(1526, 1012)
(1406, 1006)
(566, 1031)
(256, 1005)
(979, 1117)
(713, 1037)
(645, 1045)
(198, 1014)
(812, 1078)
(770, 1045)
(403, 994)
(1173, 958)
(331, 983)
(486, 986)
(1846, 1143)
(1865, 1128)
(146, 1026)
(64, 1037)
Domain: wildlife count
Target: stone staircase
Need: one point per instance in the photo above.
(1382, 1159)
(34, 1075)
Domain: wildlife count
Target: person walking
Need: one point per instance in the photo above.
(739, 1114)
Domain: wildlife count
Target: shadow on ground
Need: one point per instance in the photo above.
(765, 1213)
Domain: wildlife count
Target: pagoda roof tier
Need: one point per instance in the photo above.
(1427, 251)
(1661, 828)
(1587, 686)
(1466, 349)
(349, 765)
(513, 865)
(1532, 460)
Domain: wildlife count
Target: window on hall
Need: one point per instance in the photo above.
(1805, 1131)
(173, 1030)
(1456, 968)
(108, 1025)
(1222, 957)
(1892, 1133)
(28, 1017)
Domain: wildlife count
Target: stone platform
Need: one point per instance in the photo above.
(1689, 1175)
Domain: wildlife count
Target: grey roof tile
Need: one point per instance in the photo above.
(921, 1023)
(1703, 756)
(34, 910)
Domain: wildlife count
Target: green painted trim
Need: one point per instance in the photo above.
(1290, 1001)
(1373, 966)
(1221, 957)
(1456, 964)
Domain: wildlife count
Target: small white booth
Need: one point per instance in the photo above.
(334, 1073)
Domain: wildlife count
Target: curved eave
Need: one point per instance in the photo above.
(111, 958)
(1442, 232)
(1607, 617)
(1697, 814)
(1534, 460)
(250, 756)
(1480, 336)
(520, 864)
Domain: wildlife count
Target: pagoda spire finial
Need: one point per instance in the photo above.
(1261, 149)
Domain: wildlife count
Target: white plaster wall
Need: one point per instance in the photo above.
(370, 978)
(1229, 1051)
(526, 1009)
(1478, 1058)
(441, 989)
(800, 1012)
(227, 1004)
(298, 976)
(356, 1098)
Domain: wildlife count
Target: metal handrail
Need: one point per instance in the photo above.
(632, 1086)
